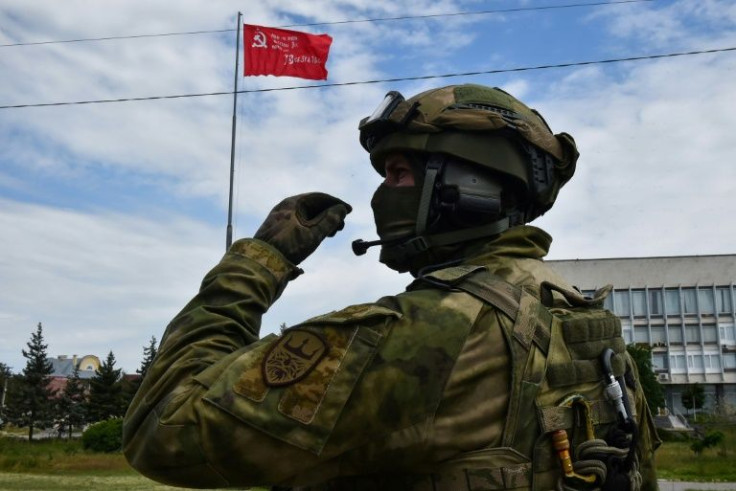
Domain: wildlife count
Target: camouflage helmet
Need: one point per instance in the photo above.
(479, 124)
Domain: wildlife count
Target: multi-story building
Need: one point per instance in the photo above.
(63, 367)
(682, 306)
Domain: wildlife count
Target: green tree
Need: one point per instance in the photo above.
(105, 390)
(693, 397)
(711, 439)
(71, 405)
(131, 384)
(149, 353)
(642, 355)
(30, 400)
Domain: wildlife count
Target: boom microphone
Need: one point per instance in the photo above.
(360, 246)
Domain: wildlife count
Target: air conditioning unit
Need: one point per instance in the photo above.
(664, 377)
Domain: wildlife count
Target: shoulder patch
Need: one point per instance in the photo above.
(354, 313)
(292, 357)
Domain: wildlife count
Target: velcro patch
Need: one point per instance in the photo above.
(292, 357)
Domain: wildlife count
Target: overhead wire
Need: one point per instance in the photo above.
(317, 24)
(365, 82)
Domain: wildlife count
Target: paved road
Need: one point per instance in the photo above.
(683, 486)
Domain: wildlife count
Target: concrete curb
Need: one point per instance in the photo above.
(706, 486)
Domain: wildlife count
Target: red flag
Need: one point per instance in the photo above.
(283, 53)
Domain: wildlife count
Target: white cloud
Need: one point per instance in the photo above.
(97, 281)
(654, 176)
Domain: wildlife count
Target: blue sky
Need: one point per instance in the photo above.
(112, 213)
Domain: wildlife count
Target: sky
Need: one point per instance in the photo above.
(111, 213)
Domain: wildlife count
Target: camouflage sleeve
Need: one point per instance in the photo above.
(342, 394)
(160, 435)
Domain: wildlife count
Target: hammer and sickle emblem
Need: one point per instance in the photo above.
(259, 40)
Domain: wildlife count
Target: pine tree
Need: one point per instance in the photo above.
(130, 385)
(71, 405)
(30, 399)
(105, 392)
(149, 353)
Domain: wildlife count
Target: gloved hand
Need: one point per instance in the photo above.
(299, 224)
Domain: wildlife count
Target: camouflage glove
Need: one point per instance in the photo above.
(297, 225)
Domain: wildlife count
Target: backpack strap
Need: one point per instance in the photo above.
(527, 335)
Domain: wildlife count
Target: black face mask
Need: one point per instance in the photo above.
(395, 212)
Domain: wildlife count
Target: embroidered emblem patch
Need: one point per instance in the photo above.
(292, 357)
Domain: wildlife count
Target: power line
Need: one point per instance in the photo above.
(364, 82)
(316, 24)
(478, 12)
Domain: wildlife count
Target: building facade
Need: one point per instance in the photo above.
(683, 307)
(63, 368)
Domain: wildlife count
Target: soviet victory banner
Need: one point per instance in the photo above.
(284, 53)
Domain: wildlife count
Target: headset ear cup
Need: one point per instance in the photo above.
(468, 188)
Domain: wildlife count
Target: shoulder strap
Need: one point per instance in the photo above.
(528, 337)
(519, 305)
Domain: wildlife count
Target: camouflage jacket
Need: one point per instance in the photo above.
(409, 392)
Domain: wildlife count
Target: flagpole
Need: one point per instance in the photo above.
(229, 237)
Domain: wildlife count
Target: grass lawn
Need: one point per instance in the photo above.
(123, 481)
(52, 465)
(676, 461)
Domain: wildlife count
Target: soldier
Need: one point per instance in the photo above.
(489, 372)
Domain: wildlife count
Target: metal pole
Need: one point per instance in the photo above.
(229, 237)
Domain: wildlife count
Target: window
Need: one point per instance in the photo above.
(641, 334)
(675, 333)
(608, 303)
(655, 302)
(639, 302)
(658, 335)
(692, 334)
(712, 362)
(723, 299)
(729, 361)
(627, 336)
(727, 333)
(621, 303)
(672, 299)
(677, 363)
(705, 300)
(689, 301)
(695, 363)
(710, 333)
(659, 361)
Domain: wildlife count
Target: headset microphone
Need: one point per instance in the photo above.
(360, 246)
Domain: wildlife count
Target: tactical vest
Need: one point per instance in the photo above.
(557, 397)
(558, 371)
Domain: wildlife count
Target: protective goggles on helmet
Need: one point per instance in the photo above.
(379, 123)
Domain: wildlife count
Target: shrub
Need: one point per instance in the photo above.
(105, 436)
(711, 439)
